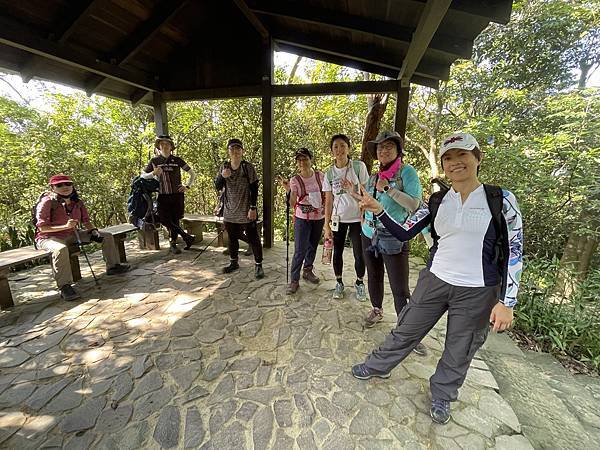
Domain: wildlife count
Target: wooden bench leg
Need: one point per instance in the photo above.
(120, 243)
(75, 269)
(148, 239)
(194, 228)
(223, 239)
(6, 299)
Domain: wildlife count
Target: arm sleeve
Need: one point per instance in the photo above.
(403, 199)
(193, 176)
(253, 180)
(411, 227)
(219, 180)
(514, 223)
(181, 163)
(43, 212)
(411, 184)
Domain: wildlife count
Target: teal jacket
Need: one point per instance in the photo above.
(407, 180)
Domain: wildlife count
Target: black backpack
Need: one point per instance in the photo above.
(140, 204)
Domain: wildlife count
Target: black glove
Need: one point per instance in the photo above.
(96, 237)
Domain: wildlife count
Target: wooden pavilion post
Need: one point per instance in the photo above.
(161, 122)
(401, 113)
(267, 145)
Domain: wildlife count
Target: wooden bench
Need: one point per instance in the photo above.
(194, 224)
(23, 255)
(120, 232)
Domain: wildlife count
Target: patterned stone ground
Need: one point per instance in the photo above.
(177, 355)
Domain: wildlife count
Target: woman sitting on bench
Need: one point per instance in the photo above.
(58, 215)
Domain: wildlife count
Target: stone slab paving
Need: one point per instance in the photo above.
(175, 355)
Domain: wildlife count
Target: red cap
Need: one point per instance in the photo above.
(60, 178)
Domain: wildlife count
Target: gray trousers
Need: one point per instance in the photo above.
(469, 311)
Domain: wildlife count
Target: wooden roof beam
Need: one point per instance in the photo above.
(24, 38)
(71, 17)
(253, 19)
(460, 48)
(494, 10)
(361, 53)
(347, 62)
(138, 96)
(140, 37)
(431, 17)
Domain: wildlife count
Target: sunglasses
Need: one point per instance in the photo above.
(59, 185)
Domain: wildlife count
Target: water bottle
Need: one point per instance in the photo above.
(327, 251)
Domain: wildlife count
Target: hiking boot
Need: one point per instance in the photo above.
(361, 292)
(189, 241)
(292, 287)
(362, 372)
(440, 411)
(310, 276)
(233, 265)
(68, 294)
(259, 272)
(117, 269)
(338, 292)
(374, 316)
(174, 249)
(420, 350)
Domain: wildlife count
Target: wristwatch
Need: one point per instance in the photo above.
(386, 188)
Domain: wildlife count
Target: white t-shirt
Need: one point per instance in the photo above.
(344, 205)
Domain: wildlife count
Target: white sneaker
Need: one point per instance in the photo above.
(338, 292)
(361, 292)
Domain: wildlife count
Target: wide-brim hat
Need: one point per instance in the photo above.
(386, 136)
(462, 141)
(60, 178)
(166, 138)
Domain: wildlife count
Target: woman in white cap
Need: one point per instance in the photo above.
(473, 272)
(166, 167)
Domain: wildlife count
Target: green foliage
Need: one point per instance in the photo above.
(568, 327)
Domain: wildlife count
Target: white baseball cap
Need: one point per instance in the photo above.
(464, 141)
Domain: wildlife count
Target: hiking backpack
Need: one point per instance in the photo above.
(140, 204)
(220, 208)
(304, 194)
(355, 167)
(53, 206)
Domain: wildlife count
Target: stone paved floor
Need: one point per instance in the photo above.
(177, 355)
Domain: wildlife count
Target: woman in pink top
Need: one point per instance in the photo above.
(59, 213)
(306, 195)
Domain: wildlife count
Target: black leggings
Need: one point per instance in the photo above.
(170, 210)
(339, 240)
(397, 270)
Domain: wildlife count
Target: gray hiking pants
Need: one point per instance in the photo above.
(469, 311)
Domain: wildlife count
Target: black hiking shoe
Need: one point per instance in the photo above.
(174, 249)
(189, 241)
(259, 272)
(117, 269)
(69, 294)
(362, 372)
(233, 265)
(440, 411)
(420, 349)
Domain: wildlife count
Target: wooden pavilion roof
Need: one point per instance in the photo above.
(194, 49)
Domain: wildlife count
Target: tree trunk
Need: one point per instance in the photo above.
(377, 104)
(577, 257)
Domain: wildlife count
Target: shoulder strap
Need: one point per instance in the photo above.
(434, 203)
(495, 198)
(318, 178)
(329, 174)
(356, 167)
(300, 181)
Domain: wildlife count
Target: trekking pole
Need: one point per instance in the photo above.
(80, 245)
(287, 237)
(207, 245)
